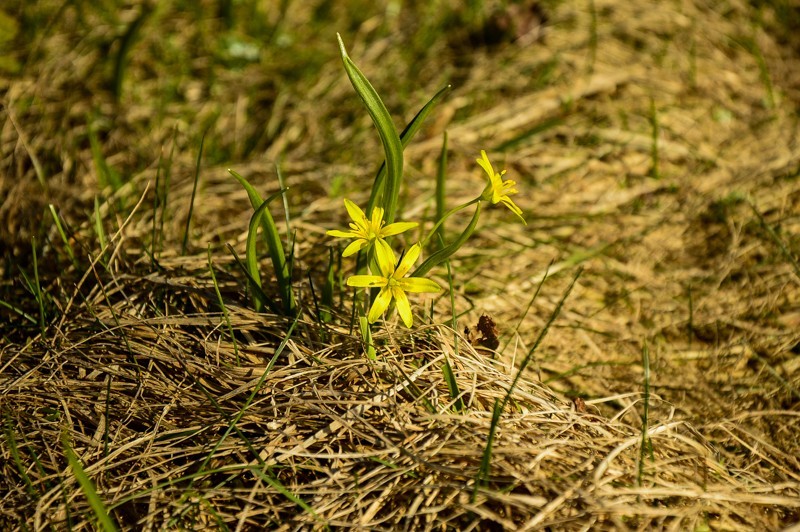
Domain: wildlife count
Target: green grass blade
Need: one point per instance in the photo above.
(18, 311)
(499, 406)
(63, 234)
(392, 147)
(104, 520)
(128, 39)
(328, 289)
(274, 246)
(441, 176)
(194, 193)
(105, 174)
(37, 289)
(12, 447)
(405, 139)
(366, 336)
(447, 369)
(251, 255)
(256, 289)
(224, 308)
(101, 232)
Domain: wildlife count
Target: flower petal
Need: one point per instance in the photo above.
(397, 228)
(403, 307)
(377, 218)
(366, 281)
(385, 258)
(380, 304)
(341, 234)
(354, 247)
(356, 213)
(408, 261)
(419, 285)
(485, 164)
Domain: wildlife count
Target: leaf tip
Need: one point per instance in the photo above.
(342, 49)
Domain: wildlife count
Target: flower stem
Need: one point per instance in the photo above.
(446, 215)
(445, 253)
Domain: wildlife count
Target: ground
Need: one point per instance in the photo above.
(647, 317)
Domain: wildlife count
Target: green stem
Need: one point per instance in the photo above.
(446, 215)
(447, 251)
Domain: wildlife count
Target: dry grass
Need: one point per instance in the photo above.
(689, 247)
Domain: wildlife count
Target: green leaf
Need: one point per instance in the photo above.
(392, 147)
(405, 139)
(274, 244)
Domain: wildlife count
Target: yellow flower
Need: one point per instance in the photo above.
(498, 191)
(366, 231)
(393, 282)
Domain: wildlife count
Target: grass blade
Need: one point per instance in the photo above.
(194, 193)
(37, 289)
(101, 232)
(441, 176)
(63, 235)
(224, 308)
(104, 520)
(12, 447)
(251, 255)
(499, 405)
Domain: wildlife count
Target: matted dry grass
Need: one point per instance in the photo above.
(695, 261)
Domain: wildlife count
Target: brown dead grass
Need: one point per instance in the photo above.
(698, 264)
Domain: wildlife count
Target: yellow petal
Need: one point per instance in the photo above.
(380, 304)
(354, 247)
(385, 258)
(366, 281)
(403, 307)
(341, 234)
(408, 261)
(377, 218)
(397, 228)
(355, 213)
(419, 285)
(485, 164)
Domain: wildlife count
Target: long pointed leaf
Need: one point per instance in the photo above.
(383, 121)
(405, 139)
(274, 244)
(251, 256)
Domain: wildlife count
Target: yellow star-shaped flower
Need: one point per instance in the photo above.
(366, 231)
(393, 282)
(498, 191)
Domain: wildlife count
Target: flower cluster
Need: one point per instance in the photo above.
(370, 233)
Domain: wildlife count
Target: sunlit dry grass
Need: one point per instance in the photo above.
(655, 146)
